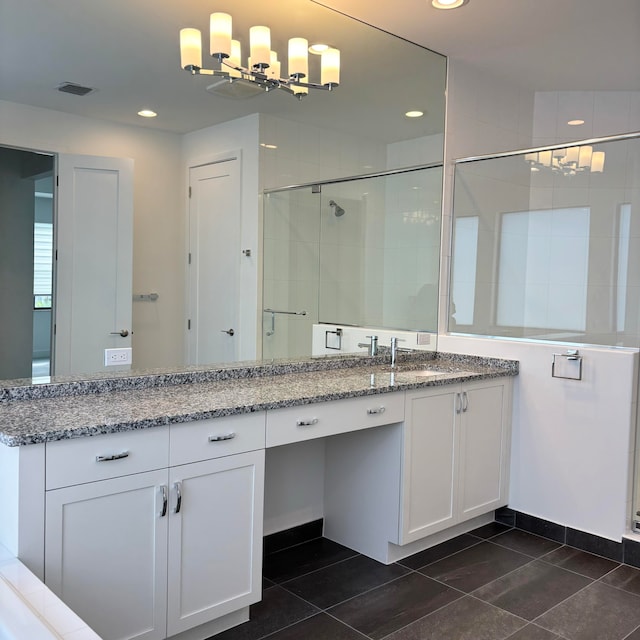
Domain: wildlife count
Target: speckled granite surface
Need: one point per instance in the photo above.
(74, 408)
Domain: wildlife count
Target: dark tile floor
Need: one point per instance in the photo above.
(493, 583)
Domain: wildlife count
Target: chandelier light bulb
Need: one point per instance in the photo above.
(330, 68)
(298, 57)
(190, 49)
(235, 59)
(260, 44)
(220, 35)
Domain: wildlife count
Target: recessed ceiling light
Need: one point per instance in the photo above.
(448, 4)
(414, 114)
(147, 113)
(318, 48)
(575, 123)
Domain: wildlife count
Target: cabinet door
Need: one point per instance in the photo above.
(484, 447)
(215, 538)
(105, 554)
(429, 465)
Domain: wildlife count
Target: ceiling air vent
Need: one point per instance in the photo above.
(74, 89)
(239, 89)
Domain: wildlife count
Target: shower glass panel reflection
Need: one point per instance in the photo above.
(359, 252)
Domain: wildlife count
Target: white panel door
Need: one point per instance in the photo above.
(214, 274)
(94, 261)
(106, 554)
(215, 538)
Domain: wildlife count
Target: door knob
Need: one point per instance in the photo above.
(123, 332)
(227, 331)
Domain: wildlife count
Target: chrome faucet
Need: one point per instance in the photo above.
(394, 351)
(372, 346)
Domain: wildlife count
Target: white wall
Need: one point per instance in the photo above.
(158, 263)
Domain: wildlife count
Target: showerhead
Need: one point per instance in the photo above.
(337, 209)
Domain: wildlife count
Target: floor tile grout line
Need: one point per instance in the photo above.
(355, 554)
(358, 594)
(475, 544)
(327, 566)
(444, 606)
(364, 635)
(555, 606)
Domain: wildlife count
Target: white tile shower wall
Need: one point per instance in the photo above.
(484, 115)
(415, 152)
(292, 153)
(570, 461)
(605, 113)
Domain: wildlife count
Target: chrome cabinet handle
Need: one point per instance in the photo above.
(458, 402)
(226, 436)
(123, 332)
(165, 500)
(373, 412)
(465, 401)
(115, 456)
(306, 423)
(178, 487)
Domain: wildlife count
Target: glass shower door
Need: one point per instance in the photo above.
(291, 272)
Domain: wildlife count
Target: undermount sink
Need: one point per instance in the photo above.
(426, 372)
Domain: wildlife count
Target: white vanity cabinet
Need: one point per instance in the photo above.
(455, 458)
(148, 554)
(389, 489)
(215, 520)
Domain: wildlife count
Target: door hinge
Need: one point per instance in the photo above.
(189, 257)
(188, 325)
(189, 191)
(57, 181)
(54, 329)
(56, 257)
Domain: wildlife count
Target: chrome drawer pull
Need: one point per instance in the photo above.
(373, 412)
(226, 436)
(178, 487)
(165, 500)
(306, 423)
(115, 456)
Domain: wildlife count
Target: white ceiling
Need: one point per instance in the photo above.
(129, 51)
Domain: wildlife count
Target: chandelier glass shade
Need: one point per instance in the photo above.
(569, 161)
(263, 68)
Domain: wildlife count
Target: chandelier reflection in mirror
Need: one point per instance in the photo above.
(569, 161)
(263, 70)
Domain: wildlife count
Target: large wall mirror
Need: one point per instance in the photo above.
(359, 128)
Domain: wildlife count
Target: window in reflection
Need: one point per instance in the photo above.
(556, 255)
(463, 279)
(543, 269)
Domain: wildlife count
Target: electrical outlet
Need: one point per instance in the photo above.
(424, 338)
(114, 357)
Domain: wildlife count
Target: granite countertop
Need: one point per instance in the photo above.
(31, 414)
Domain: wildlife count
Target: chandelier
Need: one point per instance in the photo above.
(569, 161)
(263, 69)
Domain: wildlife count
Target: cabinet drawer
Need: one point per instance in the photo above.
(207, 439)
(80, 460)
(309, 421)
